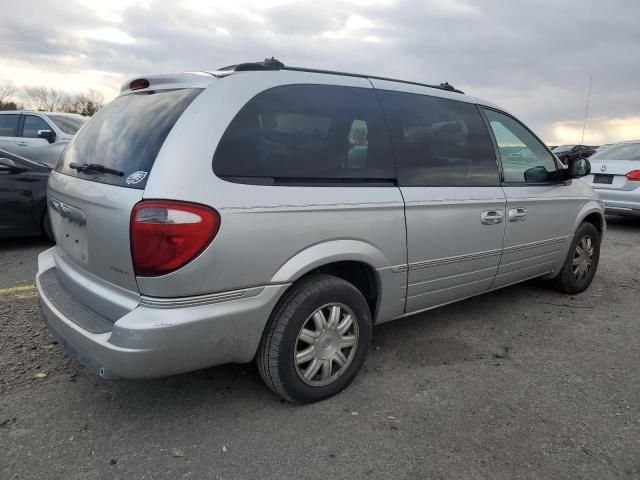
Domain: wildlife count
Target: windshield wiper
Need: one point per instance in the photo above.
(96, 167)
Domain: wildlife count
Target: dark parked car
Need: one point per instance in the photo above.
(570, 152)
(23, 196)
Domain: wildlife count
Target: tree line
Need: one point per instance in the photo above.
(49, 99)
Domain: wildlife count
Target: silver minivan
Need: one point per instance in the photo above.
(276, 213)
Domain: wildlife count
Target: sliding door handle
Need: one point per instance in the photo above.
(517, 214)
(491, 217)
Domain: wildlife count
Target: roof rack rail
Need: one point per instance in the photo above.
(267, 64)
(275, 64)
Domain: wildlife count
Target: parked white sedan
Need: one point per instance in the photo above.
(615, 175)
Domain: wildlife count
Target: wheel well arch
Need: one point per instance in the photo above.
(358, 273)
(596, 219)
(355, 261)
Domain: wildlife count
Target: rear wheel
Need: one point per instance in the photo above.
(316, 341)
(582, 261)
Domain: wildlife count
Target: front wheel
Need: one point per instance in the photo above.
(581, 263)
(316, 340)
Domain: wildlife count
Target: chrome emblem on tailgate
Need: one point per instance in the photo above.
(67, 211)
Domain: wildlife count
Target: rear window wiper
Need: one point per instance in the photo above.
(96, 167)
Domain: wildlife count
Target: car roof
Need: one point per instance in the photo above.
(272, 66)
(15, 156)
(443, 90)
(38, 112)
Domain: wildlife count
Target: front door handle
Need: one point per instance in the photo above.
(517, 214)
(491, 217)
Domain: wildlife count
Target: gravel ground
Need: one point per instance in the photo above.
(519, 383)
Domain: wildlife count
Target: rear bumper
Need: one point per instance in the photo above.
(624, 202)
(163, 337)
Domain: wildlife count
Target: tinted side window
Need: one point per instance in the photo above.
(307, 132)
(32, 124)
(524, 158)
(439, 142)
(9, 125)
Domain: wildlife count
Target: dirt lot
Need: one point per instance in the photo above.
(519, 383)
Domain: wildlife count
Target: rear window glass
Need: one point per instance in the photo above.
(304, 133)
(439, 142)
(623, 151)
(68, 123)
(126, 136)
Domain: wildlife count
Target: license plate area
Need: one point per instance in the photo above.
(70, 231)
(606, 179)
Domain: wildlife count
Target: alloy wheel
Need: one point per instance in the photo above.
(326, 344)
(583, 258)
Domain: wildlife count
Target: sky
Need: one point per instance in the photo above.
(533, 58)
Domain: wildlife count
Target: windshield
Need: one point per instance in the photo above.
(622, 151)
(126, 135)
(68, 123)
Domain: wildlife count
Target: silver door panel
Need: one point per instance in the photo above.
(537, 245)
(452, 253)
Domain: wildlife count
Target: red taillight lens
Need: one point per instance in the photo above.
(139, 83)
(634, 175)
(166, 235)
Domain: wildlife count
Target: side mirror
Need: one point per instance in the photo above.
(579, 167)
(537, 174)
(48, 135)
(7, 165)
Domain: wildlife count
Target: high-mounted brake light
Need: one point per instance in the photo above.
(139, 83)
(166, 235)
(634, 175)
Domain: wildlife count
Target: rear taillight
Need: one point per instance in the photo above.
(166, 235)
(634, 175)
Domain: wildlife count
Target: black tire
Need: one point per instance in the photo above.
(567, 281)
(46, 226)
(275, 358)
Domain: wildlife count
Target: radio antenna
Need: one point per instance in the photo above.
(586, 112)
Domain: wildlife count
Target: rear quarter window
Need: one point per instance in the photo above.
(306, 134)
(126, 136)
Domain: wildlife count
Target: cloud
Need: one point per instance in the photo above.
(533, 58)
(599, 130)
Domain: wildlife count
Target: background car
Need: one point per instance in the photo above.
(570, 152)
(615, 175)
(39, 136)
(23, 196)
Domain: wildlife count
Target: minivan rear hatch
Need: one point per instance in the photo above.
(101, 177)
